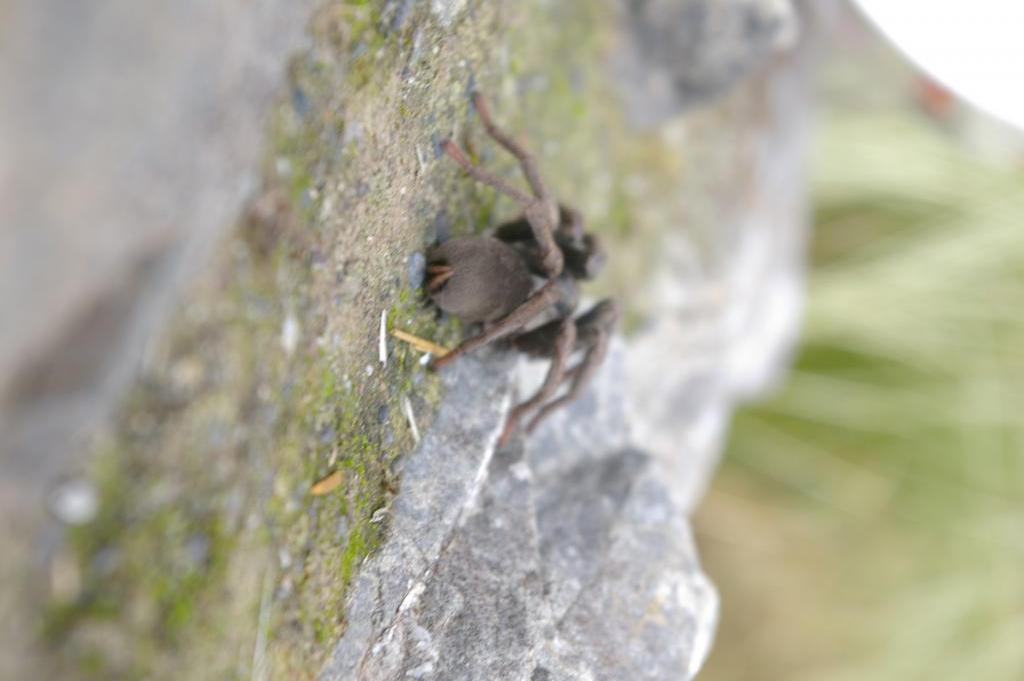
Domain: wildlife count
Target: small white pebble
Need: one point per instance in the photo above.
(290, 334)
(75, 502)
(369, 370)
(520, 471)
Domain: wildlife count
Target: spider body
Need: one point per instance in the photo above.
(488, 278)
(521, 283)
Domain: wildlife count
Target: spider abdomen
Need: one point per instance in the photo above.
(489, 278)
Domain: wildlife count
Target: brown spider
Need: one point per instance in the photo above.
(520, 283)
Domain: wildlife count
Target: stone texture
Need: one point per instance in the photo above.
(130, 135)
(725, 334)
(676, 54)
(441, 483)
(569, 557)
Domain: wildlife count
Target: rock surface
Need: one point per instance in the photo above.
(131, 136)
(572, 557)
(678, 54)
(194, 546)
(568, 557)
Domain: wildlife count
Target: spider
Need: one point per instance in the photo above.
(520, 282)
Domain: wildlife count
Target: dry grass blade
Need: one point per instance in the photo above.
(421, 344)
(326, 484)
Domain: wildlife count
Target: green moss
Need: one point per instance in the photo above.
(163, 560)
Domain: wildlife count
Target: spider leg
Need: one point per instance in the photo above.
(515, 320)
(543, 212)
(484, 176)
(563, 347)
(594, 333)
(526, 160)
(580, 375)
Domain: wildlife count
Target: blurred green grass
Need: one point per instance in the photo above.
(868, 521)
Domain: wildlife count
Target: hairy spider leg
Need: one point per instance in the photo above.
(580, 376)
(563, 347)
(484, 176)
(599, 321)
(526, 160)
(542, 214)
(542, 299)
(541, 211)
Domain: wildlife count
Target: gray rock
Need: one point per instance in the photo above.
(132, 133)
(567, 557)
(570, 557)
(441, 484)
(679, 53)
(722, 339)
(416, 269)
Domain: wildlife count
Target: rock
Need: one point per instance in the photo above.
(568, 557)
(679, 53)
(133, 135)
(727, 338)
(75, 502)
(415, 269)
(395, 13)
(441, 483)
(440, 229)
(197, 551)
(571, 556)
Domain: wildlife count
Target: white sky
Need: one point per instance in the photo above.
(973, 47)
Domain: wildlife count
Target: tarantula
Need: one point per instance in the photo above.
(521, 283)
